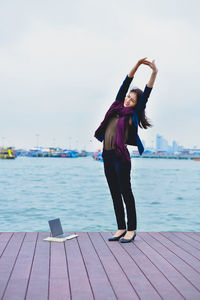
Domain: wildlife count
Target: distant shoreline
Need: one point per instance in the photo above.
(167, 156)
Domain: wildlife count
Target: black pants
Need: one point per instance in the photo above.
(118, 177)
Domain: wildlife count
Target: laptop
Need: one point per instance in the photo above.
(56, 229)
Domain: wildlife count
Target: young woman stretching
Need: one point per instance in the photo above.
(119, 129)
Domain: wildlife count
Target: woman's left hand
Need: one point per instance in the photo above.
(151, 65)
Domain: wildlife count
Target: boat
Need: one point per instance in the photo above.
(83, 153)
(7, 153)
(197, 159)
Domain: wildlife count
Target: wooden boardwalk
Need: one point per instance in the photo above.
(157, 265)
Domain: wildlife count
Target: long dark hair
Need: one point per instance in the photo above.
(143, 121)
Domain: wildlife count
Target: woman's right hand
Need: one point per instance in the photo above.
(141, 61)
(134, 69)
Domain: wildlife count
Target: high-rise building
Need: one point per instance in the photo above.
(158, 142)
(174, 146)
(162, 145)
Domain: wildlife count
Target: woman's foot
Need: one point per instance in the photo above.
(129, 234)
(119, 232)
(128, 237)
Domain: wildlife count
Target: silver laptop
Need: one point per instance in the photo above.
(56, 229)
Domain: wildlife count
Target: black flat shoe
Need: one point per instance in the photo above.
(116, 238)
(122, 240)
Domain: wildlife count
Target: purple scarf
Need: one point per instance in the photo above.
(124, 112)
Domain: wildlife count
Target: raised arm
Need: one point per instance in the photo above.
(143, 99)
(123, 89)
(127, 81)
(148, 88)
(154, 73)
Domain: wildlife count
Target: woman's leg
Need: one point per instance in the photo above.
(123, 170)
(113, 184)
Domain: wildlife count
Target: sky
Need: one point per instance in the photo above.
(62, 63)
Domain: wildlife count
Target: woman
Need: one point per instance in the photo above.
(119, 129)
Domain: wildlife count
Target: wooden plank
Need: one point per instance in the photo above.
(117, 277)
(39, 277)
(5, 236)
(176, 259)
(59, 285)
(185, 288)
(142, 255)
(4, 239)
(188, 239)
(8, 259)
(181, 243)
(101, 286)
(193, 235)
(79, 281)
(137, 277)
(16, 288)
(179, 251)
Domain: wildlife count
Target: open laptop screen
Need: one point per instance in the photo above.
(55, 227)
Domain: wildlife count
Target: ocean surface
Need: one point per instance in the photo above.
(35, 190)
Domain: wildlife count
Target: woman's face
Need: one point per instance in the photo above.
(130, 100)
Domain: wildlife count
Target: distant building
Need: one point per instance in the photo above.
(162, 144)
(158, 142)
(180, 148)
(174, 146)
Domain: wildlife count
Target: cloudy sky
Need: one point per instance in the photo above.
(62, 63)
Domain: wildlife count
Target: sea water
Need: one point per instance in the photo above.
(35, 190)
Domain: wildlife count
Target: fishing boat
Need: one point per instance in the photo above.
(70, 153)
(7, 153)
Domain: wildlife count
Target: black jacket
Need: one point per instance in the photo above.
(133, 137)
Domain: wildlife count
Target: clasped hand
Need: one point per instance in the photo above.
(144, 61)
